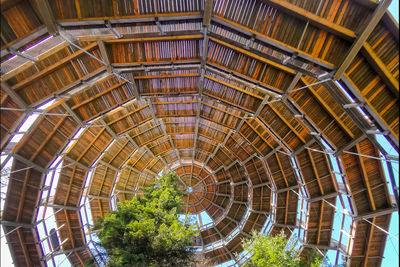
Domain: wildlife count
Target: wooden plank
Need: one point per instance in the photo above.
(357, 139)
(174, 102)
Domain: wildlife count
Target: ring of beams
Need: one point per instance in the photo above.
(236, 99)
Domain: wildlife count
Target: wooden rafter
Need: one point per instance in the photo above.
(368, 242)
(24, 249)
(53, 67)
(315, 19)
(365, 178)
(359, 42)
(314, 167)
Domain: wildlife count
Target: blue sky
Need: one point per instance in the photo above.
(394, 9)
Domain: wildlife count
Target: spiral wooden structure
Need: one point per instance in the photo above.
(249, 101)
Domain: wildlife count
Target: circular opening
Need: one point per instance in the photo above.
(189, 189)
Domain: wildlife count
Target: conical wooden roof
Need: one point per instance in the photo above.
(268, 110)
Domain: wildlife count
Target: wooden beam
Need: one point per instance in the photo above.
(28, 162)
(290, 8)
(255, 56)
(47, 16)
(382, 69)
(69, 228)
(72, 176)
(368, 243)
(14, 96)
(314, 167)
(52, 68)
(359, 42)
(365, 176)
(377, 213)
(393, 136)
(350, 144)
(320, 222)
(293, 83)
(104, 55)
(287, 206)
(24, 249)
(328, 109)
(287, 123)
(323, 197)
(130, 18)
(90, 99)
(233, 87)
(90, 144)
(22, 196)
(208, 8)
(257, 133)
(281, 169)
(128, 114)
(157, 38)
(227, 102)
(166, 76)
(48, 137)
(277, 44)
(221, 110)
(17, 224)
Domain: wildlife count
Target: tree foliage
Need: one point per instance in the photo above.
(277, 251)
(145, 231)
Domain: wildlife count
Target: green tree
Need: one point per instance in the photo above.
(277, 251)
(145, 231)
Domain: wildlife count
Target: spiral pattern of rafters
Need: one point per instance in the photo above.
(268, 111)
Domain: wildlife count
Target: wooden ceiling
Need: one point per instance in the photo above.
(240, 98)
